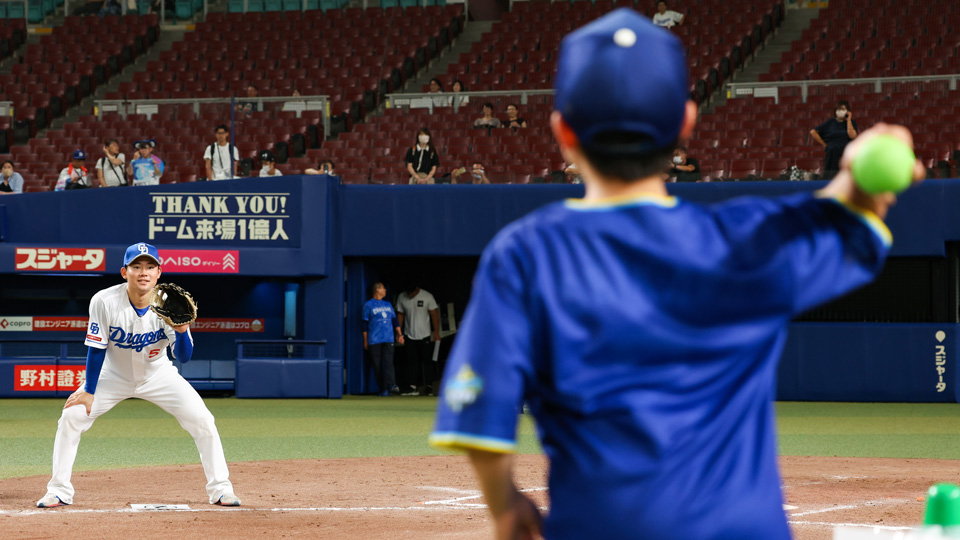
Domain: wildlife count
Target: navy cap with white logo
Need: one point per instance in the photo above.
(140, 250)
(621, 73)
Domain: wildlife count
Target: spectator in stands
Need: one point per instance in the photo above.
(436, 87)
(667, 18)
(572, 174)
(422, 159)
(268, 164)
(487, 120)
(218, 156)
(684, 168)
(74, 175)
(110, 168)
(298, 105)
(834, 135)
(477, 175)
(513, 118)
(145, 167)
(11, 181)
(325, 167)
(457, 87)
(249, 106)
(110, 7)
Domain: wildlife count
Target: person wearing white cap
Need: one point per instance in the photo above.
(74, 175)
(643, 331)
(127, 358)
(146, 167)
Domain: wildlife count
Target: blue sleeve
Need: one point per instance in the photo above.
(485, 378)
(183, 346)
(95, 358)
(365, 317)
(815, 249)
(393, 320)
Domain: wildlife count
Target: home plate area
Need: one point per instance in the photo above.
(425, 496)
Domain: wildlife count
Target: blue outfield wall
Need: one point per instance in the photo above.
(307, 231)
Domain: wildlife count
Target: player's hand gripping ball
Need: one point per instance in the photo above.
(173, 304)
(883, 165)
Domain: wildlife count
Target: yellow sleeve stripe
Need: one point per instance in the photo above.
(452, 440)
(869, 219)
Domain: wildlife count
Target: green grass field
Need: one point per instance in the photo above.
(137, 433)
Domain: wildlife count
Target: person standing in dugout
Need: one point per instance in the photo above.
(127, 358)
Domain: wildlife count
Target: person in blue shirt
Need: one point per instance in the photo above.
(380, 330)
(145, 167)
(644, 331)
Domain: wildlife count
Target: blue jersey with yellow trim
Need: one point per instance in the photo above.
(644, 334)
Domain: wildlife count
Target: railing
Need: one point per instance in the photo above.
(414, 100)
(150, 107)
(772, 89)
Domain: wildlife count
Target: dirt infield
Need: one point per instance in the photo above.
(421, 497)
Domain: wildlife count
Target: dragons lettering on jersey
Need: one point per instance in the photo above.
(137, 342)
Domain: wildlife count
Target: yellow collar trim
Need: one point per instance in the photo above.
(622, 201)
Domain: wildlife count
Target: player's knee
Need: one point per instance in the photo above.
(200, 424)
(75, 417)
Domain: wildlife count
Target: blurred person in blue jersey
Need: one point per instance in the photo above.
(643, 331)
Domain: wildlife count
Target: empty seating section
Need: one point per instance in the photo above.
(901, 37)
(376, 150)
(68, 64)
(520, 51)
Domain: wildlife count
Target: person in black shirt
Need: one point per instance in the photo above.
(513, 118)
(683, 167)
(834, 135)
(422, 159)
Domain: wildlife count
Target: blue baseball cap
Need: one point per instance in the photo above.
(79, 154)
(140, 250)
(621, 73)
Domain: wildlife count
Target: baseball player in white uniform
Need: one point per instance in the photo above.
(127, 358)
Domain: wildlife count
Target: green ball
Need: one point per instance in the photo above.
(884, 164)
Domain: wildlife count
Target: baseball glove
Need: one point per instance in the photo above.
(173, 304)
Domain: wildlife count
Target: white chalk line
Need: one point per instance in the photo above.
(454, 504)
(864, 525)
(61, 510)
(848, 507)
(440, 505)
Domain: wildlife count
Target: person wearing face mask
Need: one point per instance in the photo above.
(422, 159)
(834, 135)
(10, 181)
(683, 167)
(268, 164)
(477, 175)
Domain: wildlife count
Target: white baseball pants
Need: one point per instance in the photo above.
(169, 391)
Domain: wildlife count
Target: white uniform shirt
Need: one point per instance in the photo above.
(136, 346)
(266, 172)
(220, 161)
(113, 175)
(416, 314)
(668, 19)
